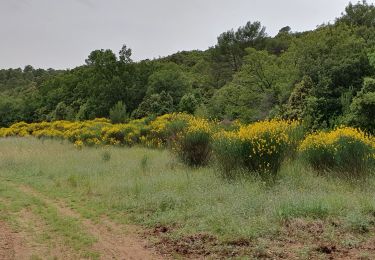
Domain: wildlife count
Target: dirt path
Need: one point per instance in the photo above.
(6, 242)
(15, 245)
(27, 247)
(114, 241)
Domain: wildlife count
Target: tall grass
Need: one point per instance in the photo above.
(152, 192)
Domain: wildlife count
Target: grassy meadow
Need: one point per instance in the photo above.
(186, 211)
(259, 147)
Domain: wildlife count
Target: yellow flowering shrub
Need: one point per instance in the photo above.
(164, 129)
(193, 144)
(91, 132)
(160, 123)
(199, 125)
(345, 149)
(152, 133)
(73, 131)
(259, 147)
(128, 134)
(229, 153)
(5, 132)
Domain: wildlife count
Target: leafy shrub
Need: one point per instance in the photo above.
(345, 150)
(229, 153)
(194, 146)
(164, 129)
(260, 147)
(173, 129)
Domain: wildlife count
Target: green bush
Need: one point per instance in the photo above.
(193, 145)
(194, 148)
(257, 148)
(229, 154)
(172, 130)
(347, 151)
(353, 156)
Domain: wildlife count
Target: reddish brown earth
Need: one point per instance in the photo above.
(298, 239)
(7, 241)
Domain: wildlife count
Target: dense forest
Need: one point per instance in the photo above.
(325, 77)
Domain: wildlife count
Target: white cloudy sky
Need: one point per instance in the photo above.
(61, 33)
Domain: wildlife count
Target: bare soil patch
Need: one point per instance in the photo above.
(7, 242)
(114, 241)
(33, 227)
(298, 239)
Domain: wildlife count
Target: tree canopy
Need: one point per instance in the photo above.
(324, 77)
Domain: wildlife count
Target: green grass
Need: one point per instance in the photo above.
(150, 188)
(68, 228)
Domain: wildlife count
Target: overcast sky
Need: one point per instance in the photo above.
(61, 33)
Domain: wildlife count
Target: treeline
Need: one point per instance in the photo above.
(326, 77)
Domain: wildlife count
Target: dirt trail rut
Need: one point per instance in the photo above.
(6, 242)
(13, 245)
(114, 241)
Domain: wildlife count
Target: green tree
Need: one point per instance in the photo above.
(118, 114)
(125, 54)
(281, 42)
(235, 102)
(171, 80)
(188, 103)
(264, 81)
(10, 110)
(155, 105)
(335, 59)
(359, 14)
(227, 55)
(362, 109)
(297, 103)
(82, 113)
(63, 112)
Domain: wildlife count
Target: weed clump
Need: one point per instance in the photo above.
(106, 156)
(144, 164)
